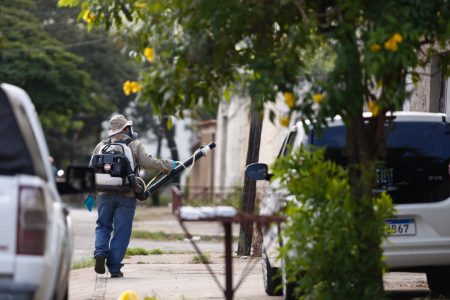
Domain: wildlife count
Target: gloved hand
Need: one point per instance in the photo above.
(140, 195)
(89, 202)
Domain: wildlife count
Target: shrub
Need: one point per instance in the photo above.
(325, 247)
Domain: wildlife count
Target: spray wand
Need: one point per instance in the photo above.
(199, 153)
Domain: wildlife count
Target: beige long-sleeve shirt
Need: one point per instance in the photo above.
(140, 157)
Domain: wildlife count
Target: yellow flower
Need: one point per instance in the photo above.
(89, 17)
(397, 37)
(318, 98)
(131, 87)
(285, 121)
(136, 87)
(127, 87)
(140, 4)
(289, 99)
(375, 47)
(149, 54)
(374, 108)
(129, 295)
(392, 43)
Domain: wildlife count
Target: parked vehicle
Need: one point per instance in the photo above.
(35, 228)
(415, 172)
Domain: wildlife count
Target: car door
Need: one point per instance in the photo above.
(276, 196)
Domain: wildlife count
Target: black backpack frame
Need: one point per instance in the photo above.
(120, 166)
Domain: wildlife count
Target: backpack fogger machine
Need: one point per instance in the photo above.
(114, 170)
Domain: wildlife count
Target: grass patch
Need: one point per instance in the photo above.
(201, 259)
(157, 235)
(136, 251)
(163, 236)
(83, 263)
(156, 251)
(142, 251)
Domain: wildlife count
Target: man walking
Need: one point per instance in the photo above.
(116, 208)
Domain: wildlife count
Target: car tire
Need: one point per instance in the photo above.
(66, 294)
(272, 279)
(62, 296)
(439, 281)
(288, 287)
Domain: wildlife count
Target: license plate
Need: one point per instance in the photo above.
(401, 227)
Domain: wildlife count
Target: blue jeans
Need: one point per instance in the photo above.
(115, 214)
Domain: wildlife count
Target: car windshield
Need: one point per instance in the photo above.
(415, 165)
(14, 155)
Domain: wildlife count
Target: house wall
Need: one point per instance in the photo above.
(201, 176)
(431, 92)
(233, 126)
(420, 98)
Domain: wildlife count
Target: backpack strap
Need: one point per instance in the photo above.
(128, 140)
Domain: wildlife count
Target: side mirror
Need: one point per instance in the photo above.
(78, 180)
(258, 171)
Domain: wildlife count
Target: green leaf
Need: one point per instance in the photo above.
(68, 3)
(227, 94)
(169, 123)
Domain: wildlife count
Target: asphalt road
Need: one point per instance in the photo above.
(175, 276)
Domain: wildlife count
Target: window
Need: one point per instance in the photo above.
(417, 160)
(14, 156)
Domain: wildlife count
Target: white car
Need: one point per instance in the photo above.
(415, 174)
(35, 228)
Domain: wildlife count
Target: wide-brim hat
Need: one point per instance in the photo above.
(118, 124)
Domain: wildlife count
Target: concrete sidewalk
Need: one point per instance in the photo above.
(171, 276)
(167, 276)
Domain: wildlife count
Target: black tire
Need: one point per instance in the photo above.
(439, 281)
(288, 287)
(272, 280)
(66, 294)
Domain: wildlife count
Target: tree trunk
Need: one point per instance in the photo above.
(249, 197)
(362, 176)
(364, 138)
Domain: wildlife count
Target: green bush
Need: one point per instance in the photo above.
(325, 246)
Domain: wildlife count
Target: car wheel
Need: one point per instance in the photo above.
(288, 287)
(439, 281)
(272, 280)
(66, 294)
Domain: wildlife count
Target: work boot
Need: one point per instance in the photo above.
(116, 274)
(100, 264)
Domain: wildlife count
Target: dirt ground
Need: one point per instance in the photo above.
(175, 276)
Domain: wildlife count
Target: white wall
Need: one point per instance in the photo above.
(233, 125)
(231, 136)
